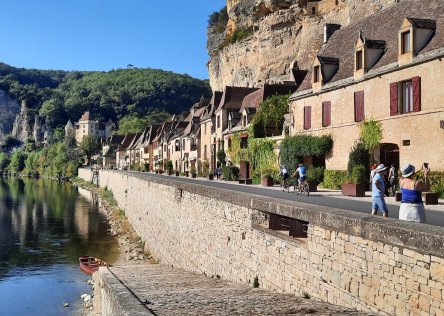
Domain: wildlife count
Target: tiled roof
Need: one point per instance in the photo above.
(116, 139)
(233, 97)
(382, 26)
(86, 117)
(214, 103)
(254, 99)
(126, 142)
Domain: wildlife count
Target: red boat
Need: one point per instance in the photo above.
(89, 265)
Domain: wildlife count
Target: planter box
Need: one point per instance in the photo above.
(193, 175)
(187, 173)
(267, 182)
(430, 198)
(160, 171)
(313, 185)
(210, 177)
(177, 173)
(398, 196)
(351, 189)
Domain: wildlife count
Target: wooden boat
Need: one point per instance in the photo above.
(89, 265)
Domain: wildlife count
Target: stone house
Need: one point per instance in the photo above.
(228, 109)
(122, 156)
(109, 149)
(207, 131)
(239, 121)
(146, 149)
(190, 138)
(387, 67)
(88, 126)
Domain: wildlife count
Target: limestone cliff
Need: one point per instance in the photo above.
(283, 35)
(9, 109)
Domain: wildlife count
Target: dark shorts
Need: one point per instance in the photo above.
(302, 179)
(286, 176)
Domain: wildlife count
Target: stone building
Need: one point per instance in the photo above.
(387, 67)
(88, 126)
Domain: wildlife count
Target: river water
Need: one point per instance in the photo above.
(45, 226)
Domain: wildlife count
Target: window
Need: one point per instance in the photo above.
(316, 76)
(405, 96)
(326, 113)
(205, 129)
(183, 144)
(307, 117)
(359, 106)
(244, 120)
(405, 42)
(229, 143)
(359, 60)
(313, 10)
(244, 142)
(205, 152)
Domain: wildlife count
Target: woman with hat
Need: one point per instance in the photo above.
(412, 208)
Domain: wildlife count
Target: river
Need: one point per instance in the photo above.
(45, 226)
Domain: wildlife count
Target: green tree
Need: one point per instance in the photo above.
(4, 162)
(89, 145)
(17, 163)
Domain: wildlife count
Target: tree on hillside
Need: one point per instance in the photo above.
(90, 145)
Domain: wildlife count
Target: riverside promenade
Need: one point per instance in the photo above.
(323, 197)
(160, 290)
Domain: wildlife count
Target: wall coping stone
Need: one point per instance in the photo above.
(424, 238)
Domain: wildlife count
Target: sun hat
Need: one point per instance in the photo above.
(407, 170)
(380, 168)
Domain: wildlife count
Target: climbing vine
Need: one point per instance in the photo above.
(371, 134)
(269, 119)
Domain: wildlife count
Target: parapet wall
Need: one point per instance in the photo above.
(348, 258)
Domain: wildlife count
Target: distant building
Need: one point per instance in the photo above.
(88, 126)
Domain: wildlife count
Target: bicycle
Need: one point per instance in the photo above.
(304, 189)
(285, 185)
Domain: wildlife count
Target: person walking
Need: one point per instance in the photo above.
(378, 190)
(412, 208)
(393, 179)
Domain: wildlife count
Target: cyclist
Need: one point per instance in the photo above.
(302, 172)
(285, 176)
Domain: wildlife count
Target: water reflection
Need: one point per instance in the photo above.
(46, 226)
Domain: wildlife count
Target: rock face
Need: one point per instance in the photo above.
(9, 108)
(286, 35)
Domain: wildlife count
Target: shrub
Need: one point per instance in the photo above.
(294, 148)
(358, 156)
(221, 156)
(436, 179)
(315, 174)
(359, 175)
(169, 166)
(333, 179)
(230, 173)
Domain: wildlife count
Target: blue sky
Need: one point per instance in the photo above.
(106, 34)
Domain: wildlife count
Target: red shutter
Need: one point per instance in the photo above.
(359, 106)
(307, 117)
(416, 81)
(326, 113)
(394, 98)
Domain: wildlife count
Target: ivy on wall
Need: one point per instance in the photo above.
(262, 156)
(270, 116)
(371, 134)
(303, 145)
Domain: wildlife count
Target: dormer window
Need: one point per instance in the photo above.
(367, 53)
(405, 43)
(359, 60)
(413, 36)
(316, 74)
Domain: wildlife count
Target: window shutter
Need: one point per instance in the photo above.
(326, 113)
(416, 82)
(359, 106)
(307, 117)
(393, 98)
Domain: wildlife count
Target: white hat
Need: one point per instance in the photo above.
(407, 170)
(380, 168)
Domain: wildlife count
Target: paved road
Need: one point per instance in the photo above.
(435, 218)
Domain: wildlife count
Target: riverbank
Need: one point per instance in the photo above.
(131, 248)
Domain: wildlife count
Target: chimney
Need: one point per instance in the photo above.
(329, 29)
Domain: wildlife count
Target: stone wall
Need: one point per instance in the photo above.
(351, 259)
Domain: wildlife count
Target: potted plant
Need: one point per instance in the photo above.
(169, 167)
(187, 173)
(267, 178)
(355, 185)
(193, 172)
(160, 171)
(315, 176)
(210, 176)
(177, 173)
